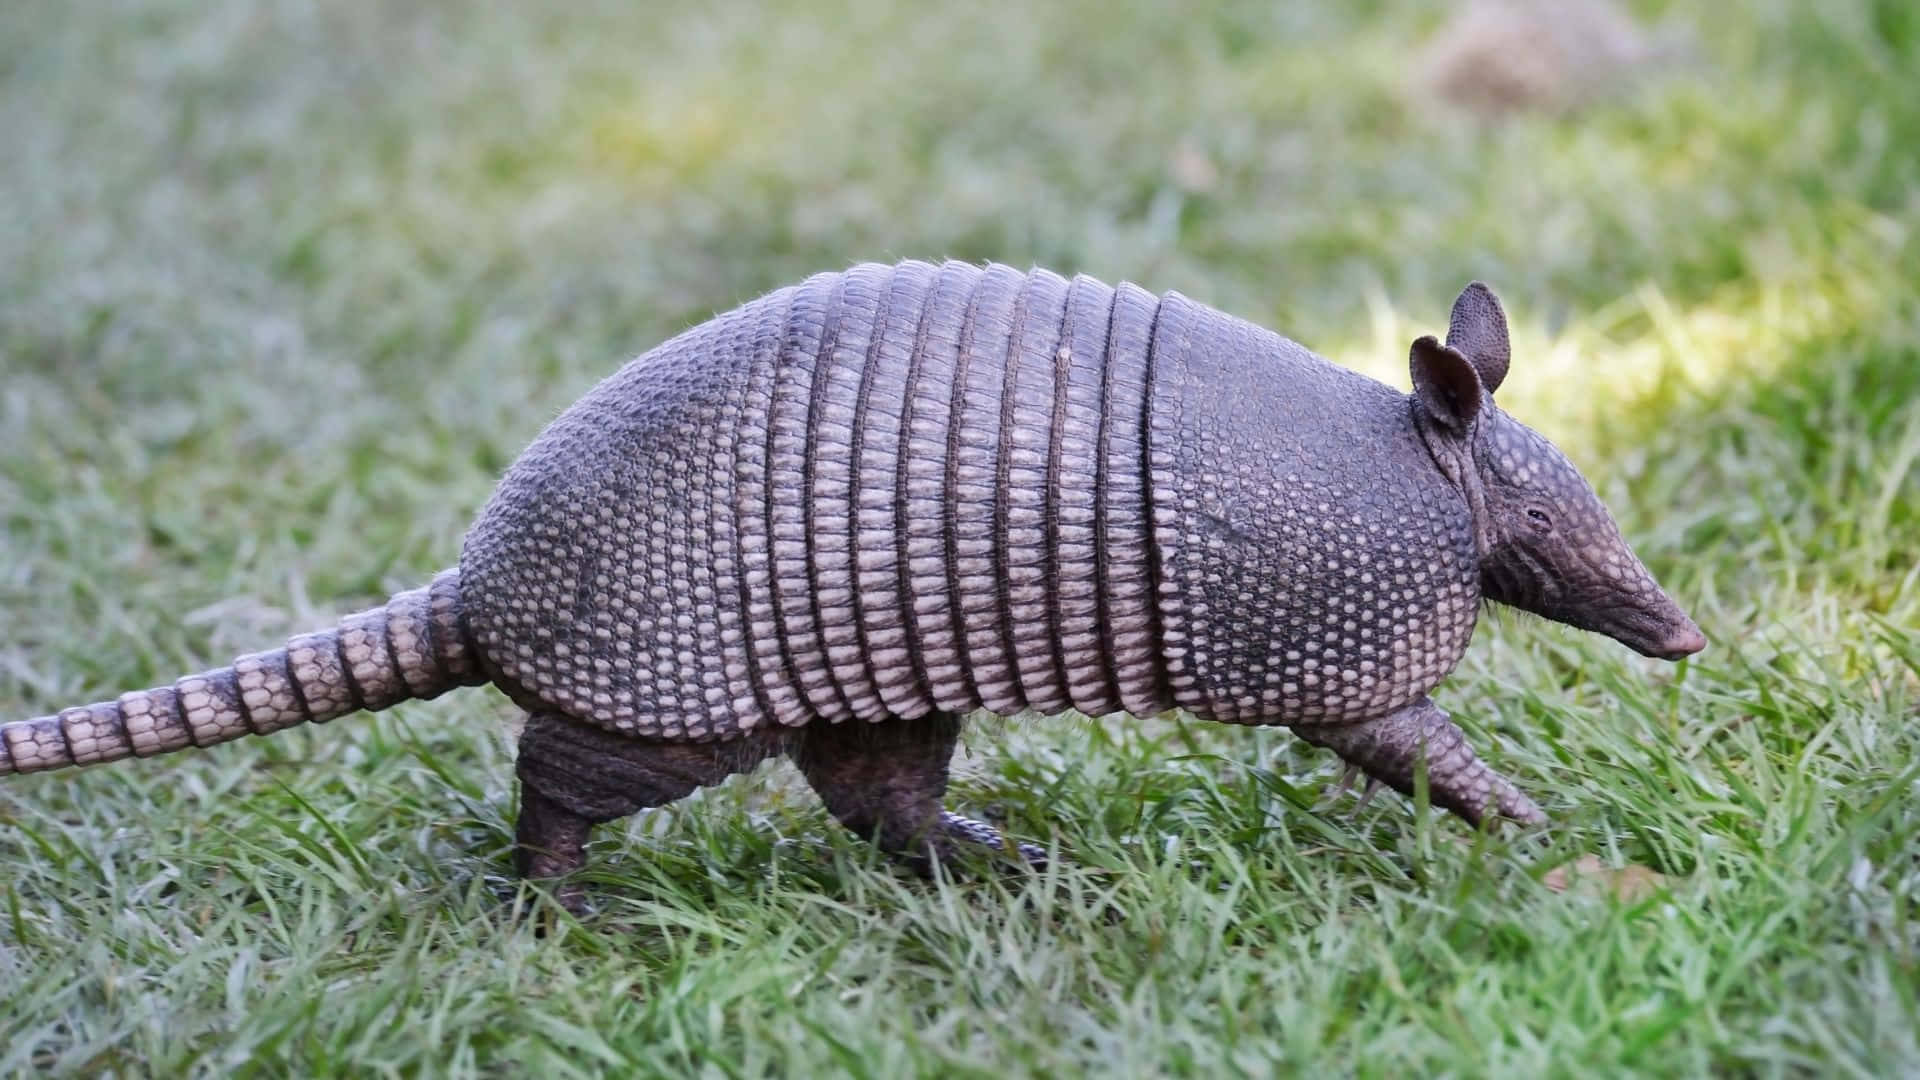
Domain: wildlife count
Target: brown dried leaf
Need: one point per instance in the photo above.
(1500, 56)
(1631, 882)
(1193, 170)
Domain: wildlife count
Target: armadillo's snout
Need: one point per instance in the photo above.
(1649, 623)
(1685, 640)
(1643, 617)
(1659, 630)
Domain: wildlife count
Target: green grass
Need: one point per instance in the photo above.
(283, 287)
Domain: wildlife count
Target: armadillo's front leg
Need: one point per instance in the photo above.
(1391, 748)
(885, 782)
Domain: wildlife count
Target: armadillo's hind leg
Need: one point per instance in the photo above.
(1391, 748)
(574, 776)
(550, 842)
(885, 782)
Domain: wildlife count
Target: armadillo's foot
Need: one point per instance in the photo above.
(1367, 791)
(885, 782)
(1392, 748)
(1348, 777)
(574, 776)
(550, 843)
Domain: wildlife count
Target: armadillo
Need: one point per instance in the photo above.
(834, 521)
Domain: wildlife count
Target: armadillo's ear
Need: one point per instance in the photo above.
(1478, 330)
(1446, 384)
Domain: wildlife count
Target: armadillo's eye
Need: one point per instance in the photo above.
(1538, 519)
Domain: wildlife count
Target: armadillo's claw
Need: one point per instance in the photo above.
(1347, 777)
(1367, 793)
(1390, 750)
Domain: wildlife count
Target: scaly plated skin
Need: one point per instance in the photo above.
(832, 521)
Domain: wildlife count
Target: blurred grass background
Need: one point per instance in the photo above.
(283, 287)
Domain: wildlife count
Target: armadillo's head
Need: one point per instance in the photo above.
(1547, 544)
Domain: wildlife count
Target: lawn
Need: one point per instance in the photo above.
(283, 287)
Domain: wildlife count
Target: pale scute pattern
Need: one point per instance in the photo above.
(413, 646)
(922, 488)
(900, 489)
(1305, 577)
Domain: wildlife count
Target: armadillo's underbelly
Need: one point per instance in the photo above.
(876, 494)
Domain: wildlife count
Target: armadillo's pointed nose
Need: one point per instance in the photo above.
(1685, 640)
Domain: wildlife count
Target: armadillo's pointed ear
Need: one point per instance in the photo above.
(1446, 384)
(1478, 329)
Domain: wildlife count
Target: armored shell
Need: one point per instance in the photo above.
(902, 490)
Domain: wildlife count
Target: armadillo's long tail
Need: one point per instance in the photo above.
(415, 646)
